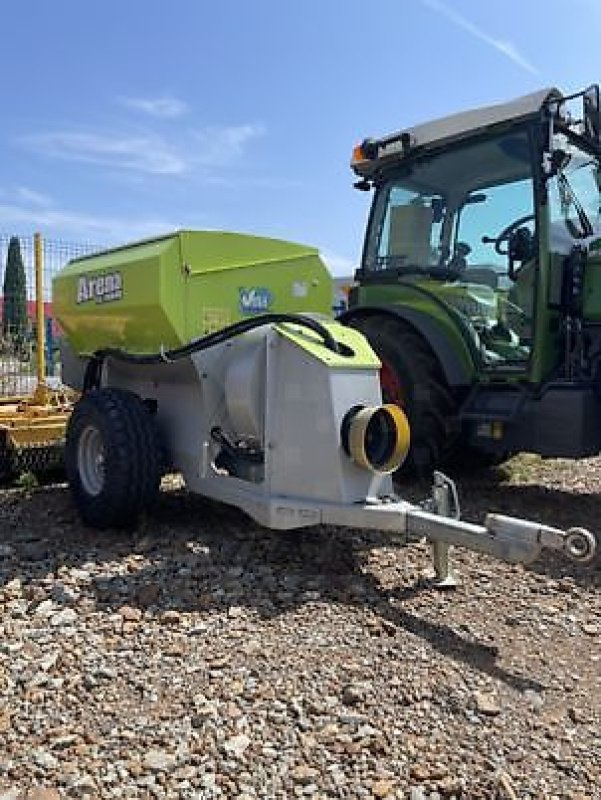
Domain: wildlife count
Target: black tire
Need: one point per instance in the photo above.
(112, 490)
(470, 459)
(425, 396)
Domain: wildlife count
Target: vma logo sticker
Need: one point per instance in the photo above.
(100, 288)
(256, 300)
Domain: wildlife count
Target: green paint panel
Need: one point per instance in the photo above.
(592, 287)
(358, 356)
(404, 295)
(166, 291)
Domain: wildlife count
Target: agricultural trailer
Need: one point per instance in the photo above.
(214, 355)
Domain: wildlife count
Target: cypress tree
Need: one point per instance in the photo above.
(14, 312)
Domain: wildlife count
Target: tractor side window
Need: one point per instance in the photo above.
(410, 230)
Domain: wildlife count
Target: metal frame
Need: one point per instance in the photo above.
(37, 422)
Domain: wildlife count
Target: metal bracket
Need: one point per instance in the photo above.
(445, 502)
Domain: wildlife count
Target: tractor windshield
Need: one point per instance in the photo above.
(449, 219)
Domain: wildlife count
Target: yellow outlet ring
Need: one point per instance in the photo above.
(379, 438)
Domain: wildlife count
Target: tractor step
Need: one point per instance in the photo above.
(491, 404)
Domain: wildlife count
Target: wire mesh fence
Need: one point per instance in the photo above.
(18, 304)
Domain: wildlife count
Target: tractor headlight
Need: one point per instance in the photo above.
(376, 438)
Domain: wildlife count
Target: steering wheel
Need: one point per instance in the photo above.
(506, 233)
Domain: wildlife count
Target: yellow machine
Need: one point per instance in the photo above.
(32, 429)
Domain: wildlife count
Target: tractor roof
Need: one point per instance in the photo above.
(447, 130)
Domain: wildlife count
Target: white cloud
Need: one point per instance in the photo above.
(27, 195)
(217, 146)
(163, 107)
(506, 48)
(104, 230)
(23, 194)
(149, 154)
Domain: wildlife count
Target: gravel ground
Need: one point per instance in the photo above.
(204, 657)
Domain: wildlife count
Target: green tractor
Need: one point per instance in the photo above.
(480, 281)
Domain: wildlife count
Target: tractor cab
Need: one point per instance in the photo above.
(484, 239)
(445, 224)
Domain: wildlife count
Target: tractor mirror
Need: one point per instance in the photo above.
(592, 114)
(559, 161)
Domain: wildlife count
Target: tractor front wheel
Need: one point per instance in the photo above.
(112, 458)
(412, 378)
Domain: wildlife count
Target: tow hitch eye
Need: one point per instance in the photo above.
(376, 437)
(580, 545)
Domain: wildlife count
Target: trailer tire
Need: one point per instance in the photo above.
(112, 458)
(412, 377)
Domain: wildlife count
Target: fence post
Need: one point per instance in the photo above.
(41, 392)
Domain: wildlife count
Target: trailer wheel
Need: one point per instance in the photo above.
(112, 458)
(412, 378)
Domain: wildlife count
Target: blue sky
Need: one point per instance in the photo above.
(126, 119)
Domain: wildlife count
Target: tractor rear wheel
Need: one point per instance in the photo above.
(112, 458)
(412, 378)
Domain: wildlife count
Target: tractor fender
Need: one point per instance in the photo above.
(454, 355)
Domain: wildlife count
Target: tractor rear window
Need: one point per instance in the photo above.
(411, 233)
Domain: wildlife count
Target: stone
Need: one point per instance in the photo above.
(420, 772)
(450, 785)
(41, 793)
(170, 617)
(159, 761)
(44, 759)
(45, 609)
(382, 789)
(84, 787)
(65, 617)
(250, 704)
(63, 594)
(105, 673)
(63, 742)
(304, 775)
(487, 704)
(534, 699)
(236, 745)
(48, 661)
(5, 721)
(130, 614)
(352, 694)
(577, 715)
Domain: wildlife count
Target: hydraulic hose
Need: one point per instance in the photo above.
(92, 375)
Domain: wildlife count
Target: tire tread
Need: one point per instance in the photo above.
(132, 457)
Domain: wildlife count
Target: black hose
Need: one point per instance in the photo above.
(92, 376)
